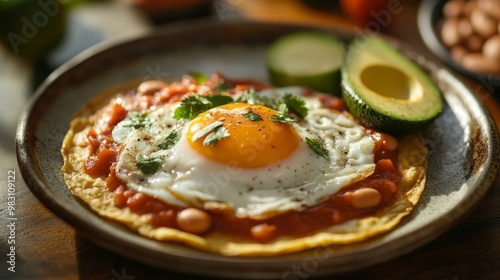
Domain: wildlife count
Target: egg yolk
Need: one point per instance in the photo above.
(253, 141)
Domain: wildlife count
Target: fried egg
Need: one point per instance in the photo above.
(256, 168)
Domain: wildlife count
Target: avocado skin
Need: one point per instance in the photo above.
(368, 117)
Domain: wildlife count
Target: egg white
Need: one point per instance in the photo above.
(303, 179)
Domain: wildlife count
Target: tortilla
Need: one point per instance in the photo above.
(412, 158)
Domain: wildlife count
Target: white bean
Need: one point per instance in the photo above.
(458, 52)
(449, 32)
(491, 48)
(453, 8)
(365, 197)
(477, 62)
(151, 87)
(490, 7)
(483, 24)
(193, 220)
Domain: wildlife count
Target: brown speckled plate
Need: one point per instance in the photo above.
(463, 142)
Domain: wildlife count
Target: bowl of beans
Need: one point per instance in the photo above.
(465, 34)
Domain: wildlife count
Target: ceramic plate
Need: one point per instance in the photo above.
(463, 142)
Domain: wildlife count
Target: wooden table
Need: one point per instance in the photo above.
(48, 248)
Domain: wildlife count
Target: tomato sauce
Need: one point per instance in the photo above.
(337, 209)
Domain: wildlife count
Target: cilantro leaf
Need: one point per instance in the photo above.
(296, 105)
(149, 165)
(191, 106)
(251, 97)
(281, 118)
(214, 132)
(252, 116)
(317, 147)
(172, 138)
(195, 104)
(220, 132)
(136, 120)
(207, 129)
(282, 115)
(199, 77)
(218, 99)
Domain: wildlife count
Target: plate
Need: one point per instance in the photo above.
(430, 15)
(463, 142)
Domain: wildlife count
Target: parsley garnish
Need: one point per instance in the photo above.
(296, 105)
(149, 165)
(136, 120)
(195, 104)
(170, 140)
(214, 132)
(252, 116)
(317, 147)
(282, 115)
(199, 77)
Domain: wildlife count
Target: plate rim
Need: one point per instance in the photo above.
(67, 213)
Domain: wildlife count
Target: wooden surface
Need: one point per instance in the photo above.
(48, 248)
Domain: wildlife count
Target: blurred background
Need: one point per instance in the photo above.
(37, 36)
(43, 34)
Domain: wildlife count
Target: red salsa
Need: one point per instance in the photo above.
(337, 209)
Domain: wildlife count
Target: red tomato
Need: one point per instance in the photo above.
(361, 11)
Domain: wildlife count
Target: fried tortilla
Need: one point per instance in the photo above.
(412, 163)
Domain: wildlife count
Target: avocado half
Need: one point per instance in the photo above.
(386, 90)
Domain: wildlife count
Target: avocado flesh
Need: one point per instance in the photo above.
(386, 90)
(308, 59)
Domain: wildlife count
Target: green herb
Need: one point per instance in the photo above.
(220, 132)
(296, 105)
(172, 138)
(252, 116)
(214, 132)
(195, 104)
(190, 107)
(207, 129)
(251, 97)
(149, 165)
(199, 77)
(218, 99)
(136, 120)
(317, 147)
(222, 86)
(282, 115)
